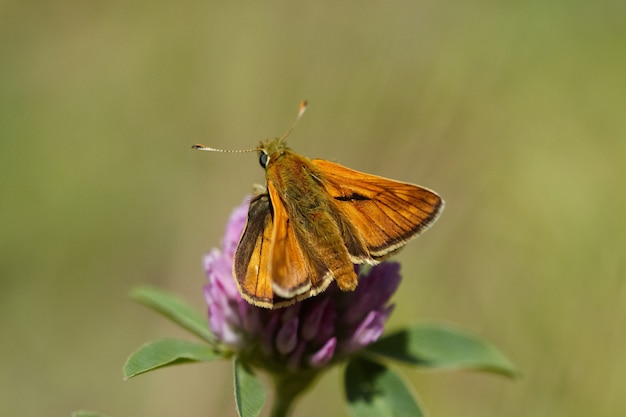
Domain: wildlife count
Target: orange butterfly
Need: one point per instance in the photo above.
(315, 219)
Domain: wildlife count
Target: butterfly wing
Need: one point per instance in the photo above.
(385, 213)
(272, 266)
(297, 269)
(251, 260)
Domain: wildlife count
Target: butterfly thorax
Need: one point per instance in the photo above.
(296, 179)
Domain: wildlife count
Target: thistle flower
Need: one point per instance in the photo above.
(308, 335)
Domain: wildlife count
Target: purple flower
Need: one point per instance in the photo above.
(311, 334)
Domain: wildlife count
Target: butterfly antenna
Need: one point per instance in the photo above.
(201, 147)
(301, 110)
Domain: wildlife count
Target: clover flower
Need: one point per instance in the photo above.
(311, 334)
(294, 345)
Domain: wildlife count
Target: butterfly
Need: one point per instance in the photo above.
(315, 219)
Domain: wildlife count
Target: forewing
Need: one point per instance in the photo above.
(251, 261)
(386, 213)
(270, 267)
(290, 270)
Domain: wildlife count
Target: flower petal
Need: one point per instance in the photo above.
(373, 291)
(325, 354)
(287, 336)
(313, 319)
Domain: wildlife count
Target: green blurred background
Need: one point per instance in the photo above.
(513, 111)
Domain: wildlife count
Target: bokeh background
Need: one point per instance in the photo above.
(513, 111)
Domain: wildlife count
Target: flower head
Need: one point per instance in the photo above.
(310, 334)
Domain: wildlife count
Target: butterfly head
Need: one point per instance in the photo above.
(270, 150)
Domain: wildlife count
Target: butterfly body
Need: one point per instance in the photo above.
(315, 220)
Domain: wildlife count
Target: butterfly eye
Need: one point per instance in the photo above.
(264, 159)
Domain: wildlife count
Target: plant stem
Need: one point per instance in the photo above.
(287, 388)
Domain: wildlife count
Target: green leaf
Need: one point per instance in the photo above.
(249, 393)
(374, 390)
(445, 347)
(167, 352)
(176, 310)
